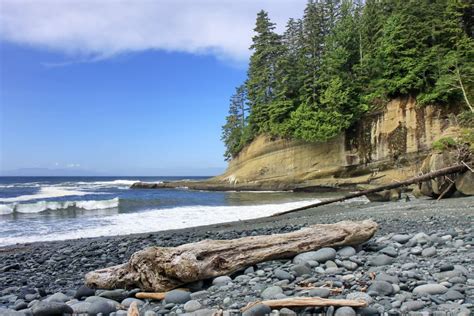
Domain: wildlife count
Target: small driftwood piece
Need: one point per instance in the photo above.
(151, 296)
(422, 178)
(133, 310)
(308, 301)
(159, 269)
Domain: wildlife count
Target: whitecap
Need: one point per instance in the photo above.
(163, 219)
(45, 193)
(42, 206)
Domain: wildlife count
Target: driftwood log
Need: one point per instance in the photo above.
(422, 178)
(158, 269)
(308, 301)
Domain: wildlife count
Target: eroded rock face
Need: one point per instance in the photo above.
(465, 183)
(445, 185)
(390, 143)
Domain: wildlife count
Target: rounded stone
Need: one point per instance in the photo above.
(345, 311)
(117, 295)
(380, 288)
(401, 238)
(416, 250)
(453, 295)
(360, 296)
(222, 280)
(129, 300)
(81, 308)
(431, 289)
(271, 292)
(287, 312)
(319, 292)
(58, 297)
(429, 252)
(346, 252)
(177, 297)
(349, 265)
(84, 291)
(412, 306)
(50, 309)
(389, 251)
(282, 275)
(301, 269)
(192, 306)
(257, 310)
(381, 260)
(101, 307)
(321, 255)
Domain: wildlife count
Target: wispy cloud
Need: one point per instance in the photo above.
(98, 29)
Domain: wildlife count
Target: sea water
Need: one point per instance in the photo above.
(58, 208)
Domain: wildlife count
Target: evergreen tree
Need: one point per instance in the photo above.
(314, 31)
(345, 57)
(288, 81)
(261, 75)
(233, 132)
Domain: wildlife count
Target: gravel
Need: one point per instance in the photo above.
(419, 261)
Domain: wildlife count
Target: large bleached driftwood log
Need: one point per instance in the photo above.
(162, 269)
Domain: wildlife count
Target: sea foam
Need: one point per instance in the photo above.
(42, 206)
(45, 193)
(161, 219)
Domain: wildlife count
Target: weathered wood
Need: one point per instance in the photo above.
(133, 310)
(159, 296)
(308, 301)
(425, 177)
(160, 269)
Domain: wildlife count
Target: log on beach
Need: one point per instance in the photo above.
(160, 269)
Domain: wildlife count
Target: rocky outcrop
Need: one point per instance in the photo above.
(385, 146)
(447, 185)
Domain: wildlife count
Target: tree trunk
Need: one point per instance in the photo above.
(425, 177)
(162, 269)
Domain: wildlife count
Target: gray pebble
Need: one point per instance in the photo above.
(345, 311)
(192, 306)
(257, 310)
(431, 289)
(177, 296)
(270, 292)
(429, 252)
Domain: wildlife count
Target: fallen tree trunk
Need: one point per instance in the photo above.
(162, 269)
(308, 301)
(425, 177)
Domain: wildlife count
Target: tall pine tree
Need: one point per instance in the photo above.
(262, 79)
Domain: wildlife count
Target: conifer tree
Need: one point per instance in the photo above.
(266, 45)
(233, 132)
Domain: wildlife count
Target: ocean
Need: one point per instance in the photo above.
(58, 208)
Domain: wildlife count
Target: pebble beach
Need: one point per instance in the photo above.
(420, 262)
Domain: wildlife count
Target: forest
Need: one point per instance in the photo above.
(346, 58)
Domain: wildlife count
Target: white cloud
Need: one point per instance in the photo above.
(96, 29)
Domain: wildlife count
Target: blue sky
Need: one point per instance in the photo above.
(114, 91)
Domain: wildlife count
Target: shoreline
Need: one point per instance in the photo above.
(44, 268)
(312, 215)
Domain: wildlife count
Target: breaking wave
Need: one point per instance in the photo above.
(42, 206)
(45, 193)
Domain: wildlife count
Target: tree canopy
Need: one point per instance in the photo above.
(343, 58)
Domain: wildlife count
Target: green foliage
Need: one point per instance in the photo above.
(467, 137)
(235, 131)
(466, 119)
(344, 58)
(444, 143)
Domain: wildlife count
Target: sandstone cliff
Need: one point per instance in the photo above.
(385, 146)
